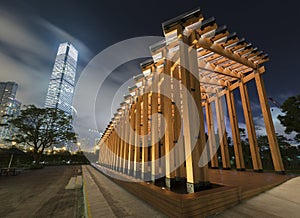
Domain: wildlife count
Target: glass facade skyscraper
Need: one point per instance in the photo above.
(9, 107)
(61, 86)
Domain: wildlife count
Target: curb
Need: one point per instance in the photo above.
(87, 212)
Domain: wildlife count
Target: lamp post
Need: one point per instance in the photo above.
(78, 144)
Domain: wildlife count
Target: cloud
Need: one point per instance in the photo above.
(85, 53)
(31, 82)
(279, 128)
(17, 34)
(28, 46)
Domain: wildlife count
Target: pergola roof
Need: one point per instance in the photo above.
(224, 59)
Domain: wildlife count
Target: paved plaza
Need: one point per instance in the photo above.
(41, 193)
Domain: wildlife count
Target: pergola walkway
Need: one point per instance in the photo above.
(249, 183)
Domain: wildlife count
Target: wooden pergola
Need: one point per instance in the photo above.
(209, 62)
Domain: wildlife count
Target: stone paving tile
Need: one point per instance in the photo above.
(281, 201)
(122, 203)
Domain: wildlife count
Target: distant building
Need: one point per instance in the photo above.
(61, 86)
(9, 107)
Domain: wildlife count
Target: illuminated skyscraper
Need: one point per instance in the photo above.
(61, 86)
(9, 107)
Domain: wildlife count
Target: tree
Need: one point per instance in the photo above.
(291, 119)
(41, 128)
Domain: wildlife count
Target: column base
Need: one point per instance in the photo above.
(146, 176)
(214, 168)
(226, 168)
(160, 182)
(241, 169)
(280, 172)
(137, 174)
(196, 187)
(170, 182)
(258, 171)
(130, 172)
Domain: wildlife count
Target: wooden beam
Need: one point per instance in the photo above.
(126, 144)
(169, 128)
(214, 47)
(238, 152)
(122, 143)
(257, 165)
(213, 156)
(178, 135)
(222, 133)
(131, 138)
(274, 147)
(236, 84)
(145, 126)
(137, 142)
(154, 128)
(196, 177)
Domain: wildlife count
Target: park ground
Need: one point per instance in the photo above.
(41, 193)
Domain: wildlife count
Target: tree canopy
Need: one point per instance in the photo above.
(291, 119)
(41, 128)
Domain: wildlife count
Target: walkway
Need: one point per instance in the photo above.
(104, 198)
(281, 201)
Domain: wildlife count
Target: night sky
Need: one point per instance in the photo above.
(31, 31)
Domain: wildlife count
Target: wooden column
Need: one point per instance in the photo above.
(131, 147)
(119, 134)
(145, 132)
(109, 151)
(122, 135)
(161, 126)
(100, 152)
(238, 151)
(222, 133)
(211, 136)
(274, 147)
(178, 135)
(126, 146)
(196, 177)
(116, 142)
(116, 145)
(137, 142)
(113, 149)
(169, 128)
(256, 161)
(154, 127)
(106, 153)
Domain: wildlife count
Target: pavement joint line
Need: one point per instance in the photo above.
(87, 207)
(94, 197)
